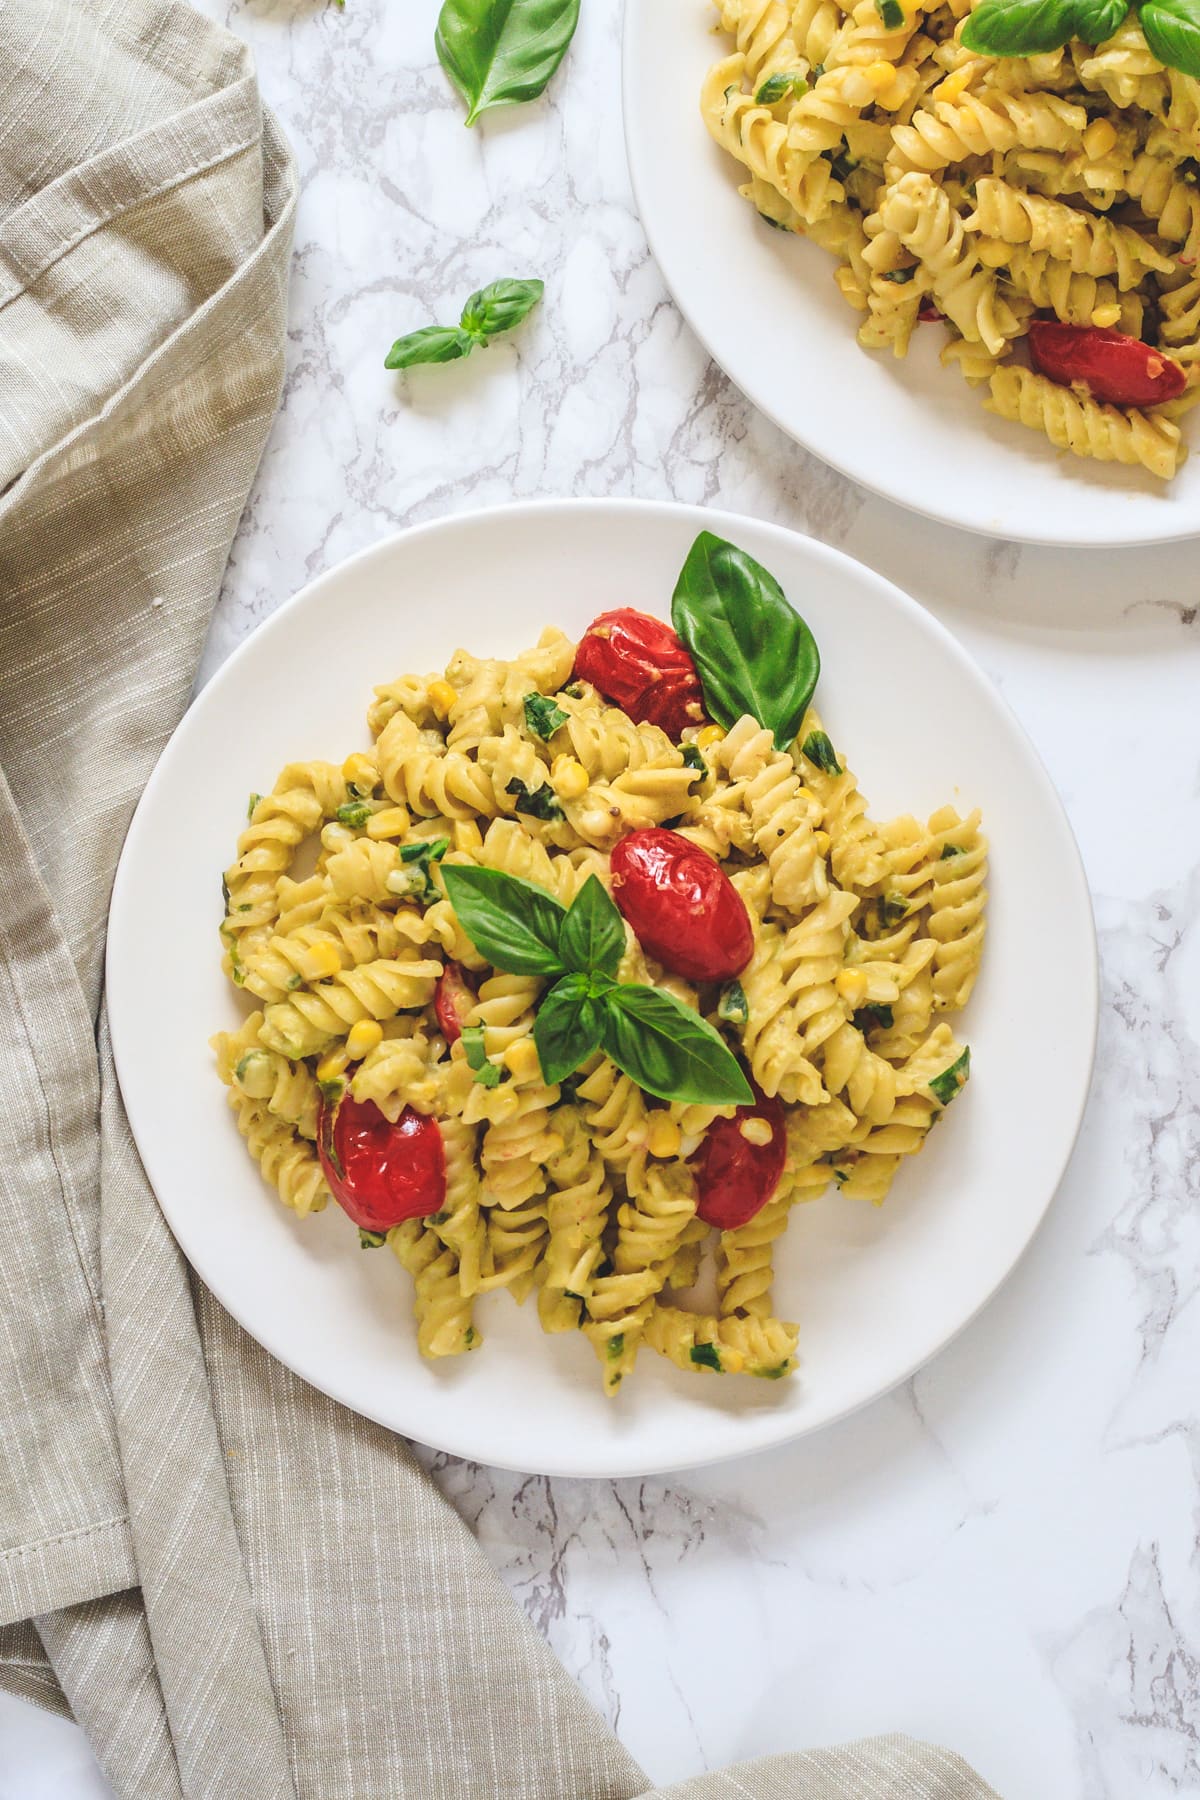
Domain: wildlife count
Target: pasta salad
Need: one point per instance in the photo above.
(1039, 204)
(602, 968)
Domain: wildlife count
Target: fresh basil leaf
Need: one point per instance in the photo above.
(891, 14)
(873, 1014)
(946, 1085)
(820, 751)
(593, 933)
(949, 850)
(537, 803)
(431, 344)
(498, 307)
(543, 716)
(1033, 27)
(668, 1049)
(487, 1074)
(567, 1028)
(514, 923)
(1172, 31)
(753, 651)
(782, 86)
(503, 52)
(733, 1006)
(706, 1356)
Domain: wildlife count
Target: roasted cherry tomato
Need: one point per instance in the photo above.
(683, 907)
(735, 1176)
(453, 999)
(928, 313)
(380, 1173)
(640, 664)
(1114, 368)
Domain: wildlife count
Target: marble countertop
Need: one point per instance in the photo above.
(1002, 1555)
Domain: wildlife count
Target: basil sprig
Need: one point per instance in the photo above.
(1034, 27)
(490, 311)
(660, 1043)
(502, 52)
(753, 652)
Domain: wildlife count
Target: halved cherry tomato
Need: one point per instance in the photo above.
(640, 664)
(1116, 369)
(682, 906)
(928, 313)
(453, 998)
(380, 1173)
(735, 1177)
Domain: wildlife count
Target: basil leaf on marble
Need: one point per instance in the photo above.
(431, 344)
(503, 52)
(498, 307)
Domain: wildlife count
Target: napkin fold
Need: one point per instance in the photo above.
(235, 1585)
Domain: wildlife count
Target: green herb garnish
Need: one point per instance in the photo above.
(539, 802)
(494, 309)
(424, 850)
(874, 1016)
(821, 753)
(706, 1356)
(899, 276)
(951, 850)
(693, 758)
(503, 52)
(370, 1240)
(753, 652)
(891, 13)
(616, 1345)
(486, 1073)
(781, 86)
(251, 804)
(354, 813)
(543, 716)
(733, 1006)
(944, 1086)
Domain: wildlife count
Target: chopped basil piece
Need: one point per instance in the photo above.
(774, 1373)
(424, 850)
(780, 86)
(252, 803)
(469, 1336)
(842, 163)
(293, 982)
(370, 1240)
(537, 803)
(332, 1091)
(733, 1006)
(873, 1015)
(946, 1085)
(707, 1356)
(892, 908)
(899, 276)
(951, 850)
(616, 1346)
(543, 717)
(820, 751)
(891, 13)
(693, 756)
(485, 1072)
(355, 813)
(574, 691)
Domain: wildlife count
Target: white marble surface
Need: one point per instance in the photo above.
(1003, 1554)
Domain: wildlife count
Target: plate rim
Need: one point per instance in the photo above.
(1079, 540)
(786, 1431)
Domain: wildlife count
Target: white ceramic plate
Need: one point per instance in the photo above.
(765, 307)
(877, 1292)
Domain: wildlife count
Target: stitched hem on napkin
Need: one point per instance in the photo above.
(66, 1570)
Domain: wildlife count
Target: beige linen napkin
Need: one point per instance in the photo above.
(238, 1588)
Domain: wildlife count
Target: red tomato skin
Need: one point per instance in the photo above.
(734, 1178)
(1116, 369)
(638, 663)
(682, 906)
(452, 1000)
(381, 1174)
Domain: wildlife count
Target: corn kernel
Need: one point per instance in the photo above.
(442, 697)
(852, 985)
(879, 76)
(322, 960)
(953, 86)
(732, 1361)
(712, 734)
(821, 840)
(467, 835)
(568, 777)
(390, 822)
(755, 1131)
(331, 1066)
(363, 1037)
(663, 1136)
(360, 772)
(522, 1060)
(1104, 316)
(1099, 137)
